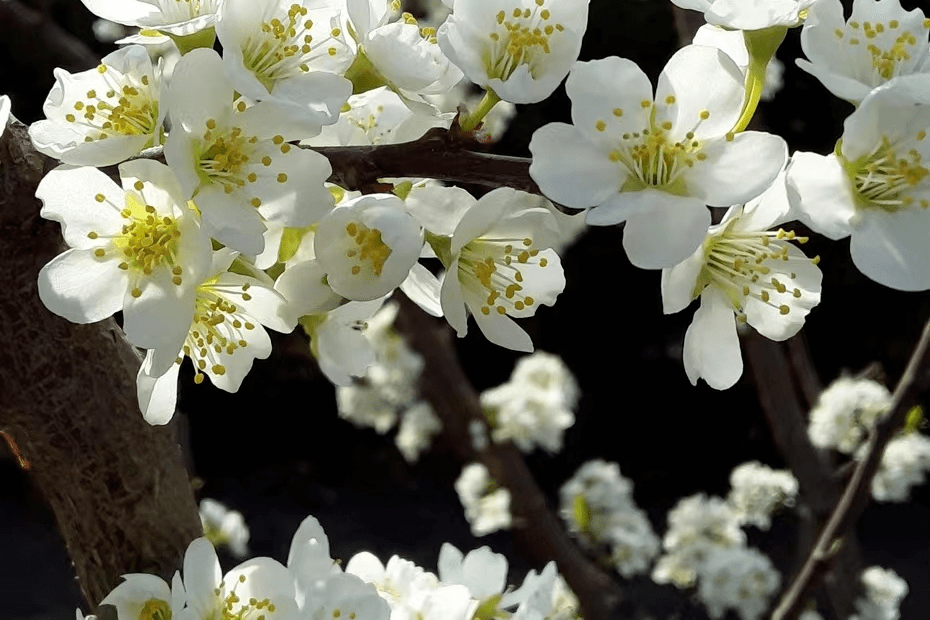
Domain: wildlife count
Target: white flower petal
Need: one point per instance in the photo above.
(711, 350)
(667, 233)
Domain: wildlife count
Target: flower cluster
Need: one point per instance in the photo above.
(240, 231)
(487, 505)
(313, 585)
(535, 406)
(597, 506)
(884, 591)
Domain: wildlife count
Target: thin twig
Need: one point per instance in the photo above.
(858, 490)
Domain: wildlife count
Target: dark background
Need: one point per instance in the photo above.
(276, 451)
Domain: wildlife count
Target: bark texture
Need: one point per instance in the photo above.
(117, 486)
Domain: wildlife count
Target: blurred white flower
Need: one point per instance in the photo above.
(224, 527)
(487, 506)
(757, 490)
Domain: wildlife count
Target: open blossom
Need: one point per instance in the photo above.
(224, 337)
(105, 115)
(655, 161)
(742, 272)
(500, 265)
(750, 14)
(232, 161)
(367, 246)
(875, 187)
(879, 42)
(289, 55)
(176, 17)
(224, 527)
(141, 595)
(737, 578)
(520, 49)
(904, 465)
(139, 249)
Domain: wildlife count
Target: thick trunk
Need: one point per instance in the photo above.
(117, 486)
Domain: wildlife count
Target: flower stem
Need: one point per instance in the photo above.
(472, 121)
(761, 45)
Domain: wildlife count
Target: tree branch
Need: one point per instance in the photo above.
(448, 390)
(858, 491)
(117, 486)
(785, 411)
(440, 154)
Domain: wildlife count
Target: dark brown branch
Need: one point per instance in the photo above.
(440, 154)
(820, 489)
(858, 490)
(117, 486)
(447, 388)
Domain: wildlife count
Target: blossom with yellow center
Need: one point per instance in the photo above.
(290, 55)
(743, 272)
(105, 115)
(655, 161)
(368, 246)
(139, 249)
(147, 597)
(500, 265)
(879, 42)
(520, 49)
(224, 335)
(875, 187)
(233, 162)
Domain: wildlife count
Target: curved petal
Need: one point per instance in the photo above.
(157, 396)
(571, 170)
(819, 191)
(892, 248)
(736, 170)
(608, 93)
(667, 233)
(679, 281)
(712, 350)
(80, 287)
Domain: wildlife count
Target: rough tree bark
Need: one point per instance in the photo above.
(117, 486)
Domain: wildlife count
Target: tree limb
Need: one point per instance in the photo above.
(858, 491)
(117, 486)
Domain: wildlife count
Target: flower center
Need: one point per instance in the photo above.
(654, 157)
(494, 265)
(520, 38)
(225, 155)
(370, 252)
(217, 327)
(751, 264)
(286, 48)
(147, 241)
(884, 179)
(127, 108)
(888, 47)
(155, 609)
(233, 607)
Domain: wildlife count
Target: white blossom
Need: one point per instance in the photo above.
(757, 490)
(176, 17)
(884, 591)
(487, 506)
(104, 115)
(904, 465)
(697, 525)
(750, 14)
(597, 506)
(875, 187)
(845, 411)
(519, 49)
(224, 527)
(654, 160)
(535, 406)
(737, 578)
(879, 42)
